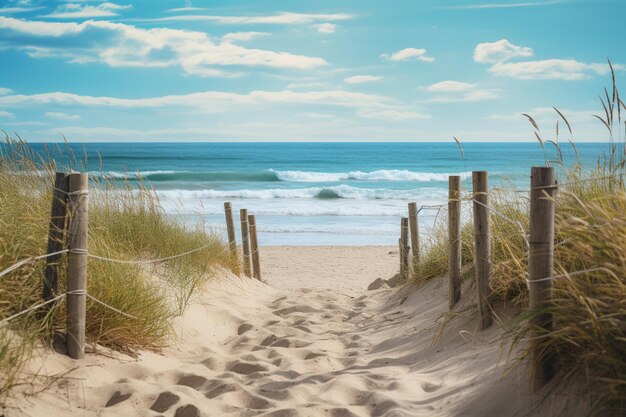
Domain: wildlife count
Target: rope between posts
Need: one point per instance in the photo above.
(140, 261)
(433, 207)
(3, 322)
(31, 259)
(103, 258)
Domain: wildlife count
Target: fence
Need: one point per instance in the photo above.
(69, 217)
(540, 251)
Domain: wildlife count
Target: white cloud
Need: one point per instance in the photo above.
(243, 36)
(309, 85)
(12, 10)
(211, 101)
(503, 5)
(284, 18)
(6, 114)
(467, 97)
(122, 45)
(27, 123)
(391, 114)
(545, 115)
(78, 11)
(61, 116)
(369, 106)
(188, 8)
(185, 9)
(409, 54)
(4, 91)
(584, 125)
(500, 51)
(325, 27)
(359, 79)
(449, 86)
(324, 116)
(550, 69)
(18, 6)
(459, 92)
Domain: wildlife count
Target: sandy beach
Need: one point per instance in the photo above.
(311, 342)
(329, 267)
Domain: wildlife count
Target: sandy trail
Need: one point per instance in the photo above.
(249, 349)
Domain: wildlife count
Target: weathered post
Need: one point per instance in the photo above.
(55, 235)
(404, 245)
(78, 200)
(254, 245)
(245, 241)
(414, 226)
(454, 238)
(541, 267)
(232, 242)
(482, 245)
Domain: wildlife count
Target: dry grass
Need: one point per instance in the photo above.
(123, 224)
(588, 339)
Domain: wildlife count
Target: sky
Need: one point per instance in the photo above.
(323, 70)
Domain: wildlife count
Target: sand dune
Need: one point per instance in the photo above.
(249, 349)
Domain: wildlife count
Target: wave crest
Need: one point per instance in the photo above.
(273, 175)
(324, 193)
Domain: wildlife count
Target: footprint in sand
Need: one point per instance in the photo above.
(429, 387)
(164, 401)
(245, 368)
(244, 328)
(269, 340)
(218, 388)
(313, 355)
(117, 398)
(192, 381)
(187, 411)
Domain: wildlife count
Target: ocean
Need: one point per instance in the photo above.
(316, 193)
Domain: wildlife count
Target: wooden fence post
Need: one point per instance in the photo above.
(254, 245)
(482, 245)
(404, 248)
(245, 241)
(78, 200)
(232, 242)
(540, 266)
(454, 239)
(55, 235)
(414, 226)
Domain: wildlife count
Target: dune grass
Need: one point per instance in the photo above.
(124, 223)
(588, 339)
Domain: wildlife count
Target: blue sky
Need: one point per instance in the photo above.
(420, 70)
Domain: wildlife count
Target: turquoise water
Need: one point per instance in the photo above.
(316, 193)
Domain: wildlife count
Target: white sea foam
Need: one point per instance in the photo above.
(131, 174)
(380, 175)
(334, 192)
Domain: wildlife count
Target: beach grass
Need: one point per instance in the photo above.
(125, 223)
(588, 338)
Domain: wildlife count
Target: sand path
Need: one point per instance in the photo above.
(249, 349)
